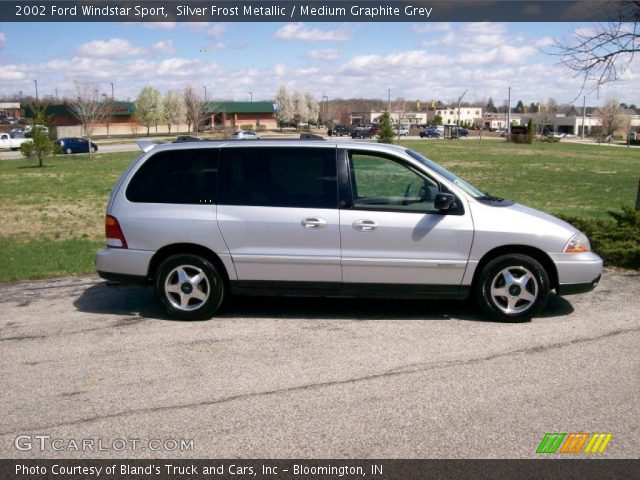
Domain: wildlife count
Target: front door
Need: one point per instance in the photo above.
(390, 231)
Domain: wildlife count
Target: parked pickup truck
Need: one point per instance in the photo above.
(13, 143)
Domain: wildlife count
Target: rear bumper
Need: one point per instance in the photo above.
(117, 264)
(121, 279)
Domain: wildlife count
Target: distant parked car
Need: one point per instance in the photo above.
(28, 130)
(457, 132)
(245, 135)
(76, 145)
(374, 129)
(401, 130)
(361, 132)
(430, 133)
(340, 130)
(7, 141)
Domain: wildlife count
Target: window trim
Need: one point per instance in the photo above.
(348, 202)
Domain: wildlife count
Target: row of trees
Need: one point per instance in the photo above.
(296, 108)
(174, 108)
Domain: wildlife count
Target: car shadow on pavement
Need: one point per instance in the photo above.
(126, 301)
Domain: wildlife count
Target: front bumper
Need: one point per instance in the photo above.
(577, 272)
(574, 288)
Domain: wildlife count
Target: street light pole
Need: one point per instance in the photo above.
(251, 97)
(205, 92)
(459, 100)
(36, 82)
(112, 97)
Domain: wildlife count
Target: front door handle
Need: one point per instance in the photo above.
(314, 222)
(365, 225)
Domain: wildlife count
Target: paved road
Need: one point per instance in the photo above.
(106, 148)
(316, 378)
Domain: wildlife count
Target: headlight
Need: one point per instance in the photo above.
(577, 244)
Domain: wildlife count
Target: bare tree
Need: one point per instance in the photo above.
(88, 109)
(196, 111)
(610, 117)
(600, 55)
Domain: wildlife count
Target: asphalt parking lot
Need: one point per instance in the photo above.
(296, 378)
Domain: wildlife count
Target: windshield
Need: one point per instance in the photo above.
(467, 187)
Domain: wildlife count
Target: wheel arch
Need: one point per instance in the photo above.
(185, 248)
(532, 252)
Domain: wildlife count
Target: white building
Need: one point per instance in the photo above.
(451, 115)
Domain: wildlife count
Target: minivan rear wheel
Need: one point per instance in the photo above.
(513, 288)
(190, 287)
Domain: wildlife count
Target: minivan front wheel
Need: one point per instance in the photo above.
(190, 287)
(513, 288)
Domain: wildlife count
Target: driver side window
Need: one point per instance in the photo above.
(380, 183)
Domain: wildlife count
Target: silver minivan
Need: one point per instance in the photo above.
(203, 220)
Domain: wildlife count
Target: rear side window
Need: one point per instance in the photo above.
(176, 176)
(278, 177)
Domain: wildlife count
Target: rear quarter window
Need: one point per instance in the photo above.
(176, 176)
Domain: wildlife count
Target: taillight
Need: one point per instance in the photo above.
(115, 237)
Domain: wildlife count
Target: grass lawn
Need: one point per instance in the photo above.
(52, 218)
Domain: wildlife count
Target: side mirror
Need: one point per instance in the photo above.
(443, 201)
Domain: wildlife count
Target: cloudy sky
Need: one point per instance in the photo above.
(417, 61)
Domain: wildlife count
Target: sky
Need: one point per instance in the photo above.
(416, 61)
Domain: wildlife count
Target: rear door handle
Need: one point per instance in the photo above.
(365, 225)
(314, 222)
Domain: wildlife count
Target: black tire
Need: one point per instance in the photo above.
(524, 297)
(203, 296)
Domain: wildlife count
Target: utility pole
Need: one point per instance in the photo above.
(509, 115)
(584, 114)
(205, 92)
(389, 102)
(36, 82)
(112, 97)
(251, 97)
(325, 107)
